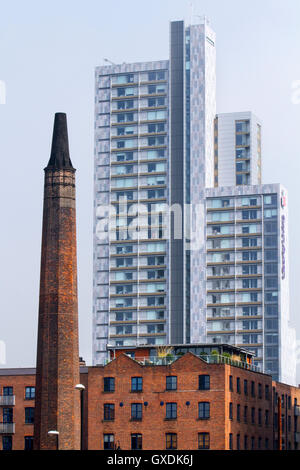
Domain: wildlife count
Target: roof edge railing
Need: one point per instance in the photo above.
(210, 359)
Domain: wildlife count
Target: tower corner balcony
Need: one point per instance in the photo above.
(7, 428)
(9, 400)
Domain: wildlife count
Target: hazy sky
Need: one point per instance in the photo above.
(48, 52)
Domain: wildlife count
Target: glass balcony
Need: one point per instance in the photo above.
(242, 126)
(8, 400)
(7, 428)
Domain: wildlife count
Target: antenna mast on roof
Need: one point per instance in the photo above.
(109, 61)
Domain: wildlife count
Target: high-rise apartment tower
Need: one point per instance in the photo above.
(154, 125)
(247, 275)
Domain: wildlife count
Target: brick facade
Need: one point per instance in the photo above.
(286, 409)
(18, 397)
(154, 425)
(255, 427)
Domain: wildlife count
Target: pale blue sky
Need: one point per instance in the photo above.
(48, 51)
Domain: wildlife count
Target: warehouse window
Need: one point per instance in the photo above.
(203, 440)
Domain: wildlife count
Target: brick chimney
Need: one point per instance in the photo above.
(57, 371)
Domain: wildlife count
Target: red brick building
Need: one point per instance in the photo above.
(186, 403)
(17, 400)
(286, 410)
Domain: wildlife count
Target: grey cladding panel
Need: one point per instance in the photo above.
(177, 176)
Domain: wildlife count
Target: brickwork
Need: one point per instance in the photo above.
(18, 384)
(57, 402)
(286, 411)
(154, 426)
(19, 379)
(251, 399)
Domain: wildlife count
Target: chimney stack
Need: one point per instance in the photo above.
(57, 371)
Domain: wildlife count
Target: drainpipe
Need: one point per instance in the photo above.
(279, 424)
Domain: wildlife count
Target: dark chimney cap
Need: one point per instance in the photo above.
(60, 156)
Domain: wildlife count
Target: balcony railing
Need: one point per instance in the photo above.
(8, 400)
(7, 428)
(212, 359)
